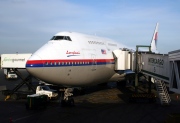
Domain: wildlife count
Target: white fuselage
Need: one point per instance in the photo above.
(74, 60)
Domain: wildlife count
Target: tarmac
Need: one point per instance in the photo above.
(98, 104)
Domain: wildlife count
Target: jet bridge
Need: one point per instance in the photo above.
(162, 69)
(165, 67)
(156, 66)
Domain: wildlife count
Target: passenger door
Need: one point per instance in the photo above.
(94, 62)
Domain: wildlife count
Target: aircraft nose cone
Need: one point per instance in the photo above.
(35, 66)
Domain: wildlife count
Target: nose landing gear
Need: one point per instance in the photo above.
(66, 98)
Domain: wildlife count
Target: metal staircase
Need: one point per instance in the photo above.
(162, 91)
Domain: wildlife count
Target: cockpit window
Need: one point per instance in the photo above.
(68, 38)
(61, 38)
(57, 38)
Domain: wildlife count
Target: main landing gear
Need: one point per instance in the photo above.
(66, 99)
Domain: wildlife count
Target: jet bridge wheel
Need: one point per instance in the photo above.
(69, 102)
(121, 83)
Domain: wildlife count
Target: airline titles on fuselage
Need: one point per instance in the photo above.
(110, 44)
(96, 42)
(72, 53)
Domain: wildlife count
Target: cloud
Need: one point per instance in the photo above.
(33, 22)
(30, 21)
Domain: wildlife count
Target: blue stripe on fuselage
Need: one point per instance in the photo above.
(66, 65)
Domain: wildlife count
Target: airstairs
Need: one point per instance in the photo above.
(162, 92)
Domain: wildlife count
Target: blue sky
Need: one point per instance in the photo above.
(25, 25)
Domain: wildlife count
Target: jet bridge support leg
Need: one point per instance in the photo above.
(149, 88)
(137, 65)
(136, 83)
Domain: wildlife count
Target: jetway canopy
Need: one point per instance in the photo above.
(124, 60)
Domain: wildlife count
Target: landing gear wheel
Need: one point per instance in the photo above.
(71, 102)
(67, 100)
(63, 103)
(14, 96)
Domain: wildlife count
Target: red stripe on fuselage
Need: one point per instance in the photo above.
(34, 62)
(70, 60)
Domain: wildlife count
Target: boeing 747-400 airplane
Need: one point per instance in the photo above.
(73, 59)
